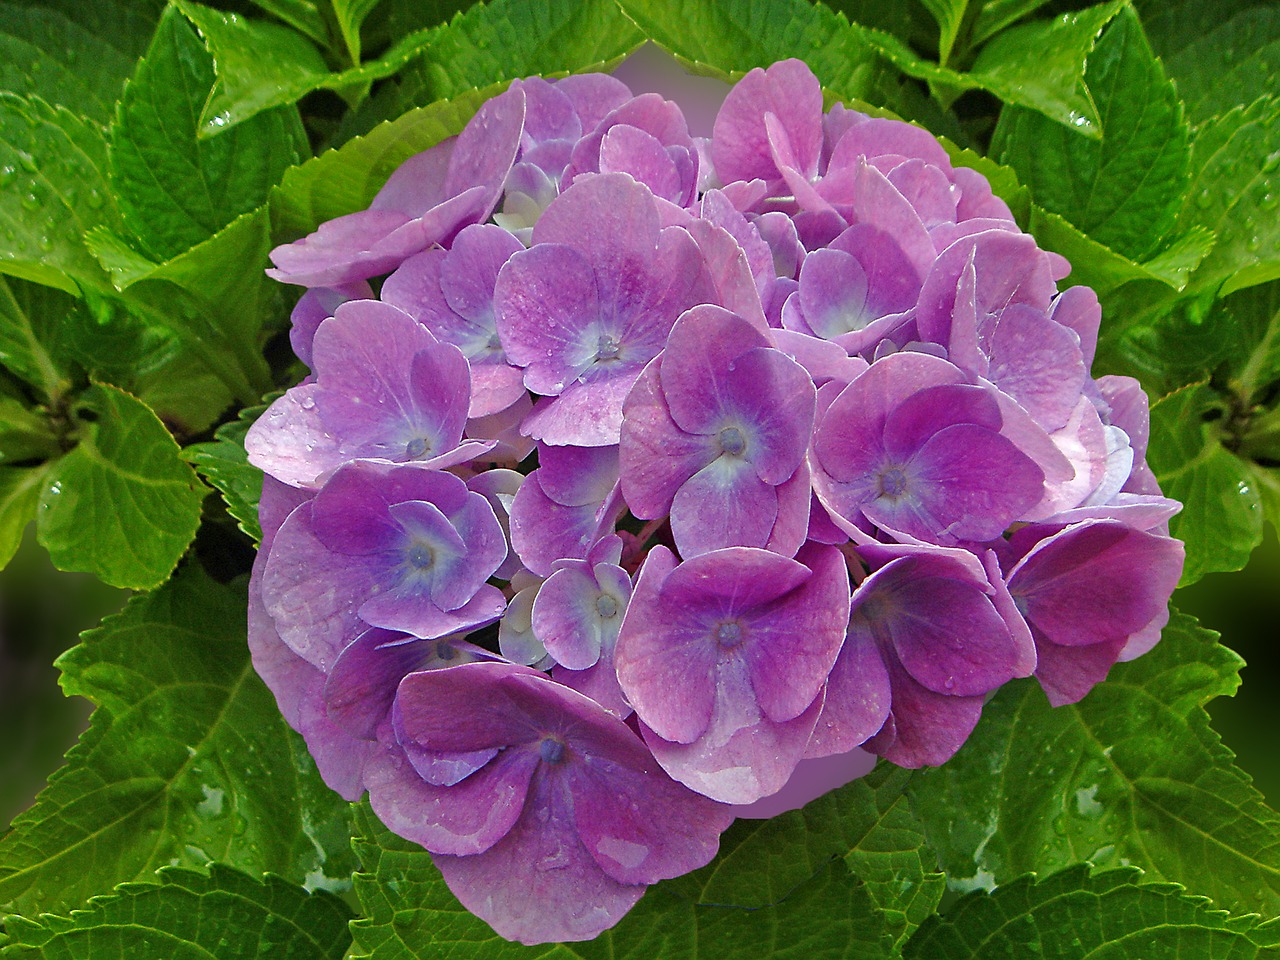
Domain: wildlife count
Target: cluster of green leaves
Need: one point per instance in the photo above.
(150, 156)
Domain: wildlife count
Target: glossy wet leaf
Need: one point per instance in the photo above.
(224, 464)
(187, 759)
(1234, 64)
(1132, 774)
(187, 915)
(175, 190)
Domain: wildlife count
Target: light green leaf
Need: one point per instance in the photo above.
(998, 14)
(121, 505)
(52, 190)
(188, 915)
(950, 16)
(350, 15)
(1235, 192)
(505, 39)
(42, 53)
(1074, 915)
(1041, 65)
(1097, 265)
(1122, 190)
(224, 463)
(1221, 518)
(187, 760)
(345, 180)
(1232, 65)
(1268, 481)
(260, 65)
(410, 913)
(19, 494)
(868, 823)
(302, 15)
(25, 434)
(176, 191)
(33, 322)
(1132, 774)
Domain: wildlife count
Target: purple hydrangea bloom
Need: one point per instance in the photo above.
(713, 434)
(404, 548)
(724, 658)
(384, 388)
(913, 448)
(591, 302)
(1086, 591)
(926, 642)
(426, 201)
(451, 294)
(545, 813)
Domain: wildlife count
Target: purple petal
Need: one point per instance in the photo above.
(486, 149)
(362, 683)
(627, 149)
(740, 143)
(417, 184)
(924, 728)
(857, 699)
(723, 505)
(314, 307)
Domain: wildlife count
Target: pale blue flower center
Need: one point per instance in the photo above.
(607, 347)
(551, 750)
(729, 634)
(606, 606)
(420, 556)
(893, 483)
(416, 448)
(732, 441)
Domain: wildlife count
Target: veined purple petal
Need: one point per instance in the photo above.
(723, 505)
(740, 142)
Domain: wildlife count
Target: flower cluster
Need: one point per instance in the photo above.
(661, 465)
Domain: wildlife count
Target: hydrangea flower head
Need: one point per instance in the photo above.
(642, 475)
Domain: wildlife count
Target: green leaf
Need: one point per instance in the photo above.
(302, 15)
(344, 180)
(25, 433)
(1235, 192)
(33, 321)
(176, 191)
(260, 65)
(998, 14)
(1041, 65)
(19, 494)
(1232, 65)
(187, 760)
(122, 505)
(505, 39)
(52, 190)
(949, 15)
(1074, 915)
(868, 823)
(1123, 190)
(1096, 265)
(1221, 518)
(191, 915)
(224, 463)
(42, 53)
(1255, 312)
(410, 913)
(1037, 65)
(1268, 480)
(1132, 774)
(350, 15)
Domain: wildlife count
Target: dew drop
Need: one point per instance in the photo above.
(6, 175)
(1204, 199)
(307, 403)
(1272, 162)
(27, 162)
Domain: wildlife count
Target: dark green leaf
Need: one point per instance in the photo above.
(350, 15)
(1221, 518)
(19, 494)
(410, 913)
(187, 760)
(868, 823)
(224, 463)
(1235, 192)
(1074, 915)
(1255, 313)
(949, 15)
(1234, 64)
(188, 916)
(52, 190)
(1123, 190)
(176, 191)
(25, 434)
(1172, 25)
(121, 505)
(1132, 774)
(45, 54)
(33, 328)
